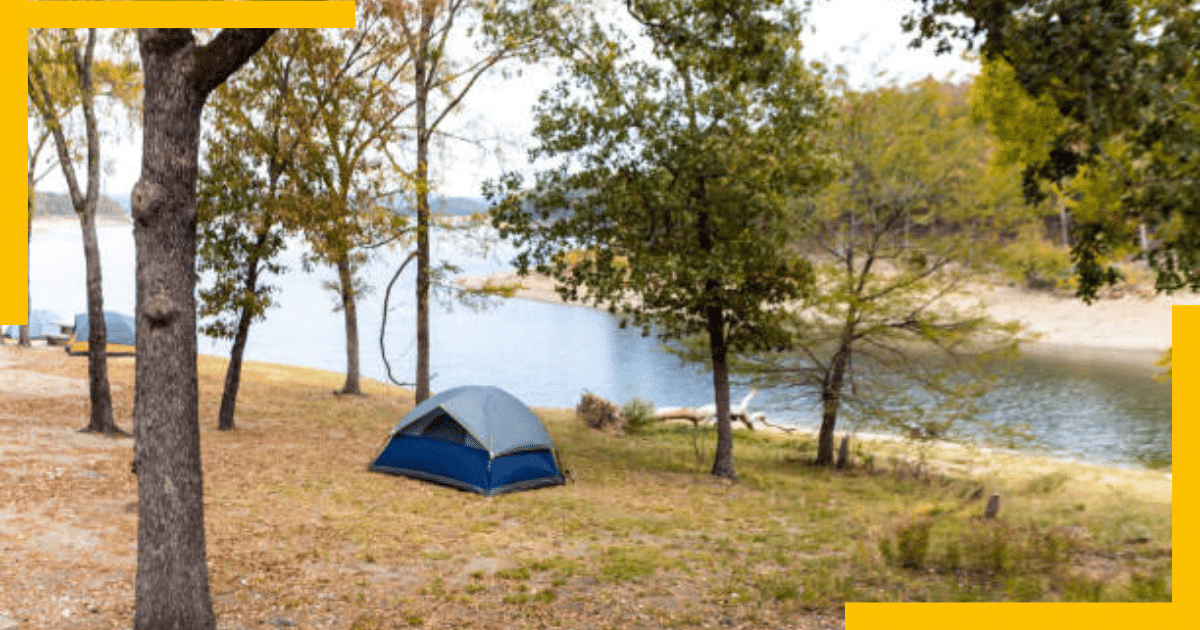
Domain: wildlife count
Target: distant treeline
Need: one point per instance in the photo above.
(49, 204)
(452, 206)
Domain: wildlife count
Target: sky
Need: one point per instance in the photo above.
(864, 36)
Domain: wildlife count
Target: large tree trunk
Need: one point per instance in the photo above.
(723, 459)
(172, 571)
(422, 98)
(350, 310)
(101, 417)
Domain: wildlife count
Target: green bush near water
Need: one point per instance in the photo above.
(639, 415)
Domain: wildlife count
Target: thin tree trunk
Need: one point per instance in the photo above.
(233, 374)
(84, 203)
(723, 459)
(101, 420)
(831, 399)
(172, 570)
(350, 310)
(422, 98)
(1064, 218)
(101, 417)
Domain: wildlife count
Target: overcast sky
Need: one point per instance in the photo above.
(862, 35)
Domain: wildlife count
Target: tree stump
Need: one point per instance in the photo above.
(993, 507)
(843, 456)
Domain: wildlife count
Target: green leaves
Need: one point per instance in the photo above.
(240, 219)
(1119, 74)
(890, 241)
(676, 172)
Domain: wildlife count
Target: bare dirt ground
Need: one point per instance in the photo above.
(67, 537)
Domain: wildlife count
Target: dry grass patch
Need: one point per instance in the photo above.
(300, 531)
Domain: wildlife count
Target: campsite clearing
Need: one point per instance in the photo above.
(299, 532)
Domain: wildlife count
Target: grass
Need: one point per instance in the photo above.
(643, 536)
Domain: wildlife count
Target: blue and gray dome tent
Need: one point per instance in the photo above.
(476, 438)
(121, 330)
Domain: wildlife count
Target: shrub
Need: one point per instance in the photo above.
(639, 414)
(1038, 264)
(912, 543)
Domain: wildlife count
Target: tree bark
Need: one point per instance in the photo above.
(172, 573)
(723, 459)
(84, 201)
(350, 310)
(101, 416)
(101, 420)
(423, 215)
(831, 398)
(233, 374)
(1064, 217)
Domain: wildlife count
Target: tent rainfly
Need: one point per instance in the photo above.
(476, 438)
(119, 328)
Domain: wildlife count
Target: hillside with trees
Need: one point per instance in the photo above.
(50, 205)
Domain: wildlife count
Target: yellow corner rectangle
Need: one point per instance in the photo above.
(187, 14)
(14, 256)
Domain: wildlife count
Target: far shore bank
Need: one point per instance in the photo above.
(45, 224)
(1132, 324)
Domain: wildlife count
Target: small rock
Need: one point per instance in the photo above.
(282, 622)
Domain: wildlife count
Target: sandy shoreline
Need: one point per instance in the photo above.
(1129, 323)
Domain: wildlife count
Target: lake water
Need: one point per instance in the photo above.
(1094, 405)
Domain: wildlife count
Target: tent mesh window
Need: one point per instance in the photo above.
(441, 426)
(444, 428)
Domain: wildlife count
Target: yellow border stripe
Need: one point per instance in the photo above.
(14, 255)
(14, 252)
(1185, 411)
(313, 14)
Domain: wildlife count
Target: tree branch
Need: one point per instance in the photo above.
(218, 59)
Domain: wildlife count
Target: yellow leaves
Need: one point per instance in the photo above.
(1164, 362)
(1023, 126)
